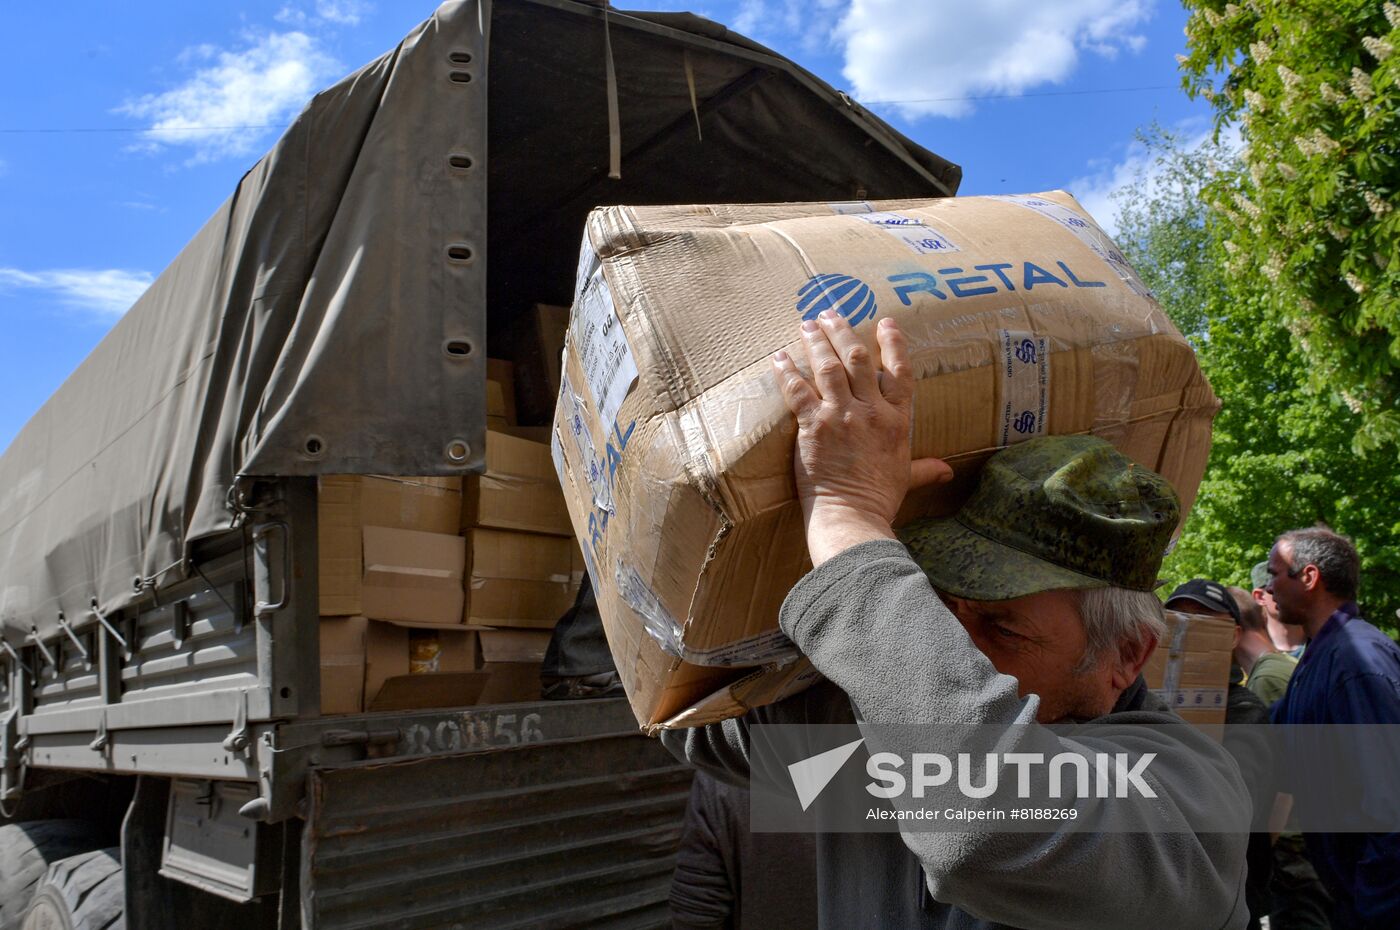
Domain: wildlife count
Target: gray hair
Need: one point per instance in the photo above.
(1333, 554)
(1115, 616)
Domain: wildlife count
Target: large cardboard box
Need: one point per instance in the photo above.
(550, 325)
(675, 447)
(513, 645)
(500, 394)
(412, 576)
(342, 664)
(1190, 668)
(386, 656)
(348, 503)
(518, 491)
(519, 579)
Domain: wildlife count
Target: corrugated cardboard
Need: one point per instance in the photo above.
(1190, 668)
(518, 491)
(348, 503)
(500, 389)
(342, 664)
(386, 656)
(510, 683)
(675, 448)
(550, 324)
(420, 692)
(519, 579)
(513, 645)
(413, 576)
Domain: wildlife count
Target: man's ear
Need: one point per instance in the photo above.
(1131, 658)
(1311, 577)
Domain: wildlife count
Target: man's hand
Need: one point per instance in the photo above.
(853, 424)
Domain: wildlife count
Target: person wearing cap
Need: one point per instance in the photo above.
(1299, 900)
(1267, 670)
(1249, 746)
(1033, 604)
(1286, 639)
(1349, 676)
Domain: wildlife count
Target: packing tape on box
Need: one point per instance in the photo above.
(764, 648)
(1176, 658)
(1087, 231)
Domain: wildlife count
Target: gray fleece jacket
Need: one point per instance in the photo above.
(893, 654)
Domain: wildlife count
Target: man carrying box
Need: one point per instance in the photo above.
(1043, 612)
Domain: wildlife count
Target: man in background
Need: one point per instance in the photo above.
(1246, 743)
(1286, 639)
(1299, 900)
(728, 877)
(1350, 674)
(1266, 669)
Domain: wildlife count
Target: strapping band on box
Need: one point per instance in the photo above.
(1176, 658)
(772, 646)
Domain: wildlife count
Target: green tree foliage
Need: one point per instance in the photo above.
(1313, 86)
(1282, 455)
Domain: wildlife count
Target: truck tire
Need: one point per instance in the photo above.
(84, 892)
(26, 850)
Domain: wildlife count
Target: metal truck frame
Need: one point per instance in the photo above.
(172, 704)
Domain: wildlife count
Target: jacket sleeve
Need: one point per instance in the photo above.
(871, 623)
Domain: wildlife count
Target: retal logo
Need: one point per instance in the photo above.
(848, 296)
(1025, 352)
(1025, 422)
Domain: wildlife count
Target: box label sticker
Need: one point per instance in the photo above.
(1025, 385)
(849, 207)
(576, 422)
(913, 232)
(1087, 231)
(602, 349)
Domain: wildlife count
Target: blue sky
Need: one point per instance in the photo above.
(114, 148)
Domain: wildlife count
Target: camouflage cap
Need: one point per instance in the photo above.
(1259, 575)
(1047, 514)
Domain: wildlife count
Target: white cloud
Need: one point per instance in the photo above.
(811, 22)
(221, 111)
(934, 59)
(344, 12)
(108, 292)
(1097, 190)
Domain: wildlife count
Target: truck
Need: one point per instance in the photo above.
(164, 760)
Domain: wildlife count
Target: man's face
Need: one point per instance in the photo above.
(1039, 640)
(1290, 594)
(1265, 600)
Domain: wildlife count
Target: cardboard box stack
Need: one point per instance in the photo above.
(438, 593)
(675, 448)
(1190, 668)
(523, 567)
(390, 560)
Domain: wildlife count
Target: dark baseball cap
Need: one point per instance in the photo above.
(1209, 595)
(1048, 514)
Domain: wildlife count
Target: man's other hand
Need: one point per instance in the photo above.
(853, 463)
